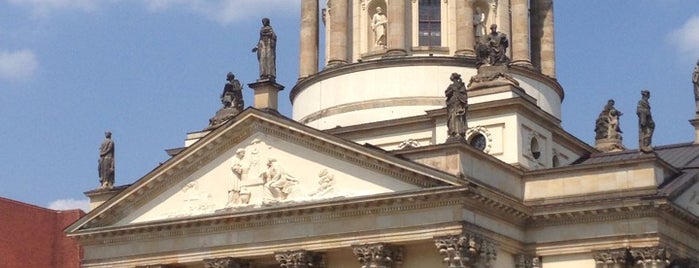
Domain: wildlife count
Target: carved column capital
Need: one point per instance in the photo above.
(527, 261)
(612, 257)
(226, 262)
(651, 255)
(379, 255)
(466, 250)
(300, 259)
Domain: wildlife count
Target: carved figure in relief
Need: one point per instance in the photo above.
(326, 182)
(646, 126)
(105, 166)
(607, 124)
(277, 183)
(378, 25)
(479, 24)
(240, 170)
(457, 103)
(266, 51)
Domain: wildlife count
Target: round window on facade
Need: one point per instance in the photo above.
(478, 141)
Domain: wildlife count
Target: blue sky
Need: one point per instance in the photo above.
(151, 71)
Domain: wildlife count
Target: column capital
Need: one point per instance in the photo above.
(300, 259)
(378, 255)
(466, 250)
(613, 256)
(650, 255)
(527, 261)
(226, 262)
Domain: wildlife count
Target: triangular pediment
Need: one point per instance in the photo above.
(260, 161)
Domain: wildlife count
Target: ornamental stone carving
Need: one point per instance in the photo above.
(527, 261)
(634, 258)
(227, 262)
(466, 250)
(300, 259)
(378, 255)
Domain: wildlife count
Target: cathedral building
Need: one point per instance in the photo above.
(387, 163)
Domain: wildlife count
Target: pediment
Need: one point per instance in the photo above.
(260, 161)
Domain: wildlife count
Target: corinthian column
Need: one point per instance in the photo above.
(396, 28)
(548, 52)
(465, 35)
(226, 263)
(520, 33)
(378, 255)
(466, 250)
(308, 48)
(300, 259)
(338, 32)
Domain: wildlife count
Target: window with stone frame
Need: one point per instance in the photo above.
(429, 23)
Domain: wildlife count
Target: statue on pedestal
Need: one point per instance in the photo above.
(695, 81)
(266, 51)
(479, 24)
(607, 131)
(105, 166)
(494, 50)
(232, 100)
(232, 96)
(457, 104)
(378, 25)
(646, 126)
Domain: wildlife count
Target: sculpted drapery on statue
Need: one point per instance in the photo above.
(378, 25)
(646, 126)
(607, 124)
(232, 95)
(479, 24)
(105, 165)
(494, 50)
(266, 51)
(695, 81)
(457, 104)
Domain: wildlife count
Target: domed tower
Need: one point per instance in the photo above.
(388, 62)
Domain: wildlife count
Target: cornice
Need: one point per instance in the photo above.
(228, 220)
(468, 62)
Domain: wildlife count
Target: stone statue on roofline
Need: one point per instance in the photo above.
(232, 101)
(457, 105)
(695, 81)
(646, 126)
(607, 131)
(105, 166)
(267, 51)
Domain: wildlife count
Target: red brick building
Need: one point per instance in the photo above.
(32, 236)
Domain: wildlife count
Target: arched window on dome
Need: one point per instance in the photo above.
(429, 23)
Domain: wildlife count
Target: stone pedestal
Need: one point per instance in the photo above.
(609, 145)
(266, 94)
(492, 76)
(99, 196)
(222, 115)
(695, 124)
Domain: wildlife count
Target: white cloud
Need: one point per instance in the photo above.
(686, 38)
(17, 65)
(225, 11)
(66, 204)
(44, 7)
